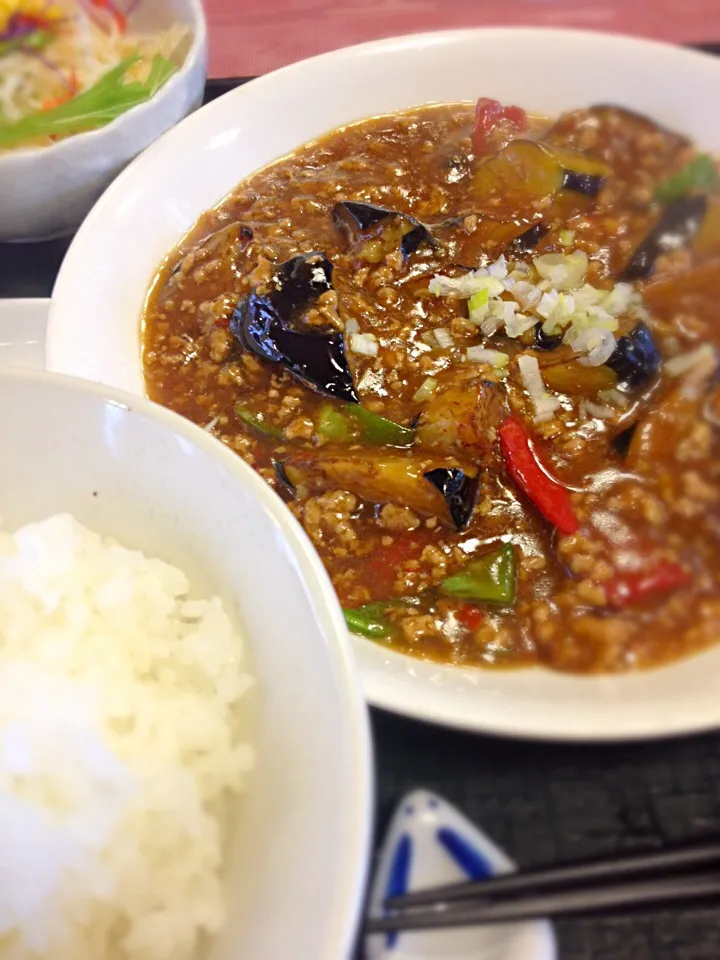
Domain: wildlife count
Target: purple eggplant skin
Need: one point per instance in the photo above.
(621, 443)
(413, 240)
(300, 280)
(283, 479)
(354, 217)
(546, 341)
(680, 221)
(636, 358)
(459, 491)
(266, 325)
(316, 359)
(527, 240)
(588, 184)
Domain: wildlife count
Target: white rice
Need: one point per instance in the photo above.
(120, 744)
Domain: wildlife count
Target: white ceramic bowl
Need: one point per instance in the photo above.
(102, 285)
(46, 191)
(125, 467)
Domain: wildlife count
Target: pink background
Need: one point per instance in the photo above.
(249, 37)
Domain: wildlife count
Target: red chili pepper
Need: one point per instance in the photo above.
(528, 472)
(470, 616)
(491, 114)
(629, 588)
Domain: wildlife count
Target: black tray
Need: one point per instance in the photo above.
(541, 802)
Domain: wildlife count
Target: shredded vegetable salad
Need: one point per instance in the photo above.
(68, 67)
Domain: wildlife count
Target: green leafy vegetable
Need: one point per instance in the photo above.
(257, 422)
(698, 176)
(161, 70)
(97, 106)
(490, 578)
(350, 422)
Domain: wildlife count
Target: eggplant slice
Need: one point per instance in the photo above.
(431, 486)
(588, 184)
(636, 358)
(461, 420)
(546, 341)
(300, 280)
(527, 240)
(364, 224)
(675, 230)
(268, 326)
(458, 490)
(526, 172)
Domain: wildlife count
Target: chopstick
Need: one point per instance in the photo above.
(659, 877)
(668, 860)
(669, 890)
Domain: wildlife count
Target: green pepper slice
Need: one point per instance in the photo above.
(332, 423)
(698, 176)
(369, 621)
(349, 422)
(491, 578)
(258, 422)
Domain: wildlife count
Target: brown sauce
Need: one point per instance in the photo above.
(589, 601)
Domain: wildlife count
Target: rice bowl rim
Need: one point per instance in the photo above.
(358, 808)
(93, 138)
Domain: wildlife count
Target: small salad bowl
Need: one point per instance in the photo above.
(47, 191)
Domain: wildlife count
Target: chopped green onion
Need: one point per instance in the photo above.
(351, 422)
(463, 287)
(258, 422)
(478, 306)
(490, 578)
(95, 107)
(698, 176)
(495, 358)
(567, 238)
(479, 300)
(426, 390)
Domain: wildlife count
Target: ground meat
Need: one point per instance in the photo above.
(397, 518)
(326, 517)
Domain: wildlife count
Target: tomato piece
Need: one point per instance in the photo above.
(493, 119)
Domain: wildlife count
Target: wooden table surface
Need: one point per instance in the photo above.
(248, 38)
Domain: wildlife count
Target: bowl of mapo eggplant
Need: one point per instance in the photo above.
(461, 319)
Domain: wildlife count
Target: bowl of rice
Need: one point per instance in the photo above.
(184, 750)
(85, 86)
